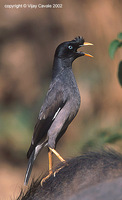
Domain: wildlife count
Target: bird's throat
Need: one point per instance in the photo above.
(59, 65)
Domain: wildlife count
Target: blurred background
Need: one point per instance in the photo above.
(28, 39)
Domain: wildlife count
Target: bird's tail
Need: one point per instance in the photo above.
(31, 161)
(29, 168)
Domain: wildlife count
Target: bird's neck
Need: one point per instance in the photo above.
(60, 64)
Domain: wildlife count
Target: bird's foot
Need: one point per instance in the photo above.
(45, 178)
(57, 170)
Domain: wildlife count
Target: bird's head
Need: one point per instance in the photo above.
(68, 50)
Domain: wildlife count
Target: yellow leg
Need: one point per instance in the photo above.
(60, 158)
(50, 162)
(57, 154)
(50, 167)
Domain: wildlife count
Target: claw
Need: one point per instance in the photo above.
(57, 170)
(45, 178)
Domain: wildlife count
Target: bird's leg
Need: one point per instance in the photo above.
(60, 158)
(50, 162)
(50, 167)
(57, 154)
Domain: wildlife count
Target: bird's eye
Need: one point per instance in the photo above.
(70, 47)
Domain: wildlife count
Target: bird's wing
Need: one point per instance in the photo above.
(54, 100)
(53, 103)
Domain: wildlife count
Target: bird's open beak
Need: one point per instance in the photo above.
(86, 44)
(87, 54)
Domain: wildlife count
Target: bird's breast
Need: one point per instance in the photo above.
(70, 89)
(73, 98)
(75, 101)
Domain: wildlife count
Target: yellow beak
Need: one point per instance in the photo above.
(87, 44)
(86, 54)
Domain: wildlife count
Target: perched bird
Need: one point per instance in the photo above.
(61, 104)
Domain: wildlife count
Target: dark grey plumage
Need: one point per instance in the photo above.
(61, 104)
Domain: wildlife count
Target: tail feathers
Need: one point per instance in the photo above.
(32, 147)
(29, 168)
(31, 161)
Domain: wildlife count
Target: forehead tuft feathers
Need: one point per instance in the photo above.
(79, 40)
